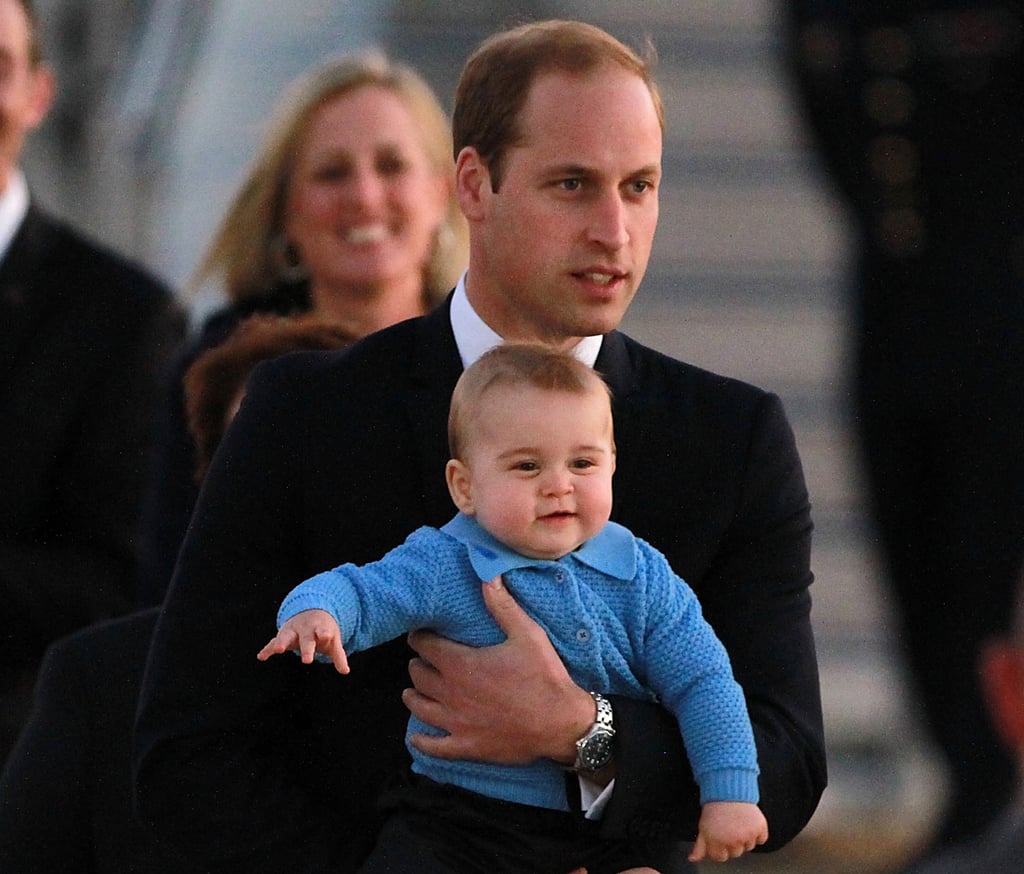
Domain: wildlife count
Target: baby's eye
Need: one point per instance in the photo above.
(582, 463)
(391, 164)
(528, 466)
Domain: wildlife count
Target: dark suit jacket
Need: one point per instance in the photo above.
(65, 794)
(338, 457)
(83, 346)
(171, 491)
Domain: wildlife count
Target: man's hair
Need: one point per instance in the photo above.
(516, 364)
(497, 78)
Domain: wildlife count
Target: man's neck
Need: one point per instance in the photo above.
(474, 337)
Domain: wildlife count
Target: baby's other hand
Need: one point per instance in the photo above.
(727, 830)
(308, 633)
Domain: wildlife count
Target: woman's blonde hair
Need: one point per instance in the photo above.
(246, 250)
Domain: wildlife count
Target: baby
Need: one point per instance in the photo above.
(532, 458)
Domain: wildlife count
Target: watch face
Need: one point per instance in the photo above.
(596, 752)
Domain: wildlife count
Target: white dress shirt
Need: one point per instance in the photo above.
(474, 337)
(13, 208)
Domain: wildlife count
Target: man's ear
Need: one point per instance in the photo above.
(44, 86)
(1002, 674)
(472, 183)
(460, 485)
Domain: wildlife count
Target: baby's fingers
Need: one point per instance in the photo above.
(284, 641)
(700, 849)
(330, 645)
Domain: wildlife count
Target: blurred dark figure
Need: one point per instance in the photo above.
(65, 793)
(84, 337)
(918, 110)
(1000, 850)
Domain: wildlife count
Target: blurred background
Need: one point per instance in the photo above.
(161, 103)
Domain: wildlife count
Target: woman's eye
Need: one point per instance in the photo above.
(331, 173)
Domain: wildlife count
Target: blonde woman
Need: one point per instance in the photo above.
(347, 211)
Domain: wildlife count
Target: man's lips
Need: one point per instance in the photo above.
(600, 275)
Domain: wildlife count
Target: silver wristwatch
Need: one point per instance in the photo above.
(594, 749)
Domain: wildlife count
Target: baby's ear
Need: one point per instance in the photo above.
(460, 485)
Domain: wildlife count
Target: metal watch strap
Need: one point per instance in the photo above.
(594, 749)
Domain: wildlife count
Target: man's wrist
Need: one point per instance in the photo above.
(582, 713)
(594, 749)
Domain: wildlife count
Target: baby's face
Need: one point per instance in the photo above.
(539, 468)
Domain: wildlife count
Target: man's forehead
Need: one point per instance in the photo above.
(558, 100)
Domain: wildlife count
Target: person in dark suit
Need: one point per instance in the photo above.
(915, 108)
(65, 793)
(336, 456)
(1000, 848)
(84, 342)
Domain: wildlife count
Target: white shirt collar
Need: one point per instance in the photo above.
(474, 337)
(13, 207)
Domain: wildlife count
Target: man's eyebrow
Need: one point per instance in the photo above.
(649, 170)
(570, 170)
(583, 170)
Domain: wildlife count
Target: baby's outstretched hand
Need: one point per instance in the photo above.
(727, 830)
(308, 633)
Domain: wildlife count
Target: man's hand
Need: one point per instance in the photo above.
(308, 633)
(511, 703)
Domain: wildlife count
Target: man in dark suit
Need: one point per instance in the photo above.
(338, 457)
(82, 349)
(915, 107)
(65, 793)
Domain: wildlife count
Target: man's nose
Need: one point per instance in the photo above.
(608, 221)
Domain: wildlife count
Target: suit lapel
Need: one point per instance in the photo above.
(24, 300)
(435, 367)
(615, 365)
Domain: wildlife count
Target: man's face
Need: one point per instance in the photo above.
(25, 90)
(559, 250)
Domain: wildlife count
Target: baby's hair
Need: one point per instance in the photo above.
(516, 364)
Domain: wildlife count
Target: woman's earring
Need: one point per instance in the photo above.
(289, 265)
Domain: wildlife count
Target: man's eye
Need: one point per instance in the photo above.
(572, 184)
